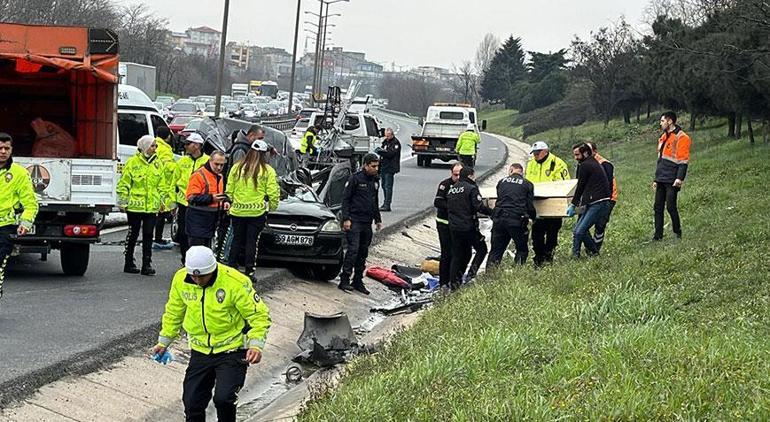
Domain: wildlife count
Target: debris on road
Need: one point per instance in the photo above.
(326, 340)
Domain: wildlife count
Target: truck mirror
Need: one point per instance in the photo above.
(483, 125)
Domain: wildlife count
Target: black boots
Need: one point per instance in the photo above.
(147, 267)
(130, 267)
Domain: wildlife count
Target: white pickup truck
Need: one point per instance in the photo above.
(441, 127)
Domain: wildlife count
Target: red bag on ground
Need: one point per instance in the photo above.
(52, 141)
(388, 278)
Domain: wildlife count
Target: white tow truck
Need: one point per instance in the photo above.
(442, 126)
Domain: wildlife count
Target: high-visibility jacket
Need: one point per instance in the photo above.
(468, 143)
(16, 194)
(673, 156)
(551, 169)
(308, 142)
(166, 156)
(141, 187)
(184, 169)
(203, 185)
(214, 316)
(602, 160)
(164, 151)
(249, 200)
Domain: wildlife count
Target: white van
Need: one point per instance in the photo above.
(137, 116)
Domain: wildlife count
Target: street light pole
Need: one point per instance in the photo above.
(294, 57)
(317, 50)
(221, 73)
(323, 48)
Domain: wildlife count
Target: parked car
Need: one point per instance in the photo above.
(165, 100)
(180, 122)
(297, 132)
(306, 112)
(191, 127)
(182, 108)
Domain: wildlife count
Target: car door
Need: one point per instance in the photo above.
(331, 195)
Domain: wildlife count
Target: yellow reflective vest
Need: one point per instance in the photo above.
(214, 316)
(551, 169)
(16, 194)
(308, 142)
(166, 156)
(185, 167)
(468, 143)
(141, 187)
(249, 200)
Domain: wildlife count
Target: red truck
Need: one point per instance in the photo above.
(58, 99)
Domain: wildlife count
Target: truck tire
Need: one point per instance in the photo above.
(426, 162)
(420, 161)
(74, 258)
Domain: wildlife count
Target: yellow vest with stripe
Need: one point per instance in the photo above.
(249, 200)
(468, 142)
(17, 193)
(185, 167)
(550, 170)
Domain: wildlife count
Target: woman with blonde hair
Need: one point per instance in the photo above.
(252, 186)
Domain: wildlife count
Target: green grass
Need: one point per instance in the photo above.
(500, 122)
(665, 330)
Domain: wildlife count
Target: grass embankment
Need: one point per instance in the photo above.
(664, 330)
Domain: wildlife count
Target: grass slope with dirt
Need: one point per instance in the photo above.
(649, 330)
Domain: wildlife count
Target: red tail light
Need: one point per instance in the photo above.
(81, 230)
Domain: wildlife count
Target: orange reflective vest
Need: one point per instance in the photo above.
(673, 156)
(204, 182)
(602, 160)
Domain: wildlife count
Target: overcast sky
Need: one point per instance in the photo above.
(407, 32)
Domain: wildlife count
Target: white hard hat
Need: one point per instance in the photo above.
(470, 126)
(259, 145)
(200, 260)
(194, 138)
(539, 146)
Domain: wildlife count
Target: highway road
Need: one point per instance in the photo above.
(52, 325)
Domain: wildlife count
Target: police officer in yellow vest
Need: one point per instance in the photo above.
(545, 167)
(166, 156)
(307, 145)
(16, 196)
(468, 145)
(193, 160)
(215, 305)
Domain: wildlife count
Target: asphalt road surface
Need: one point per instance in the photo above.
(52, 325)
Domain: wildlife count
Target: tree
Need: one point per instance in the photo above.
(507, 68)
(411, 93)
(486, 52)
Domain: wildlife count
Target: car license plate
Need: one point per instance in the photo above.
(32, 230)
(443, 149)
(294, 240)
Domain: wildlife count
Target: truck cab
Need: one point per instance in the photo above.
(58, 96)
(137, 116)
(442, 126)
(361, 130)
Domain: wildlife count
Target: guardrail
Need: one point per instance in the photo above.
(397, 113)
(285, 122)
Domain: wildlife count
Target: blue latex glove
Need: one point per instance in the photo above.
(165, 358)
(571, 210)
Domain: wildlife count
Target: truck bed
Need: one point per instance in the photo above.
(442, 130)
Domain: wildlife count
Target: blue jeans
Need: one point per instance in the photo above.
(386, 180)
(593, 214)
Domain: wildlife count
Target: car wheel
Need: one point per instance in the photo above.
(326, 272)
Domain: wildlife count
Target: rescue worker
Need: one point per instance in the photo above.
(673, 159)
(166, 156)
(545, 167)
(513, 209)
(390, 164)
(207, 200)
(216, 305)
(359, 208)
(251, 181)
(468, 145)
(592, 193)
(609, 170)
(307, 144)
(442, 223)
(17, 193)
(193, 160)
(463, 204)
(142, 195)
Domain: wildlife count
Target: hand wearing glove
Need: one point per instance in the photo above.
(571, 210)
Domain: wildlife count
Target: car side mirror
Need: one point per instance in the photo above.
(483, 125)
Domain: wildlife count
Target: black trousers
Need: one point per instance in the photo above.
(246, 231)
(160, 225)
(6, 247)
(225, 373)
(503, 231)
(140, 222)
(545, 237)
(665, 197)
(480, 247)
(601, 227)
(462, 245)
(468, 160)
(181, 230)
(358, 239)
(445, 240)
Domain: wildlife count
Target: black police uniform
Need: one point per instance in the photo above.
(360, 206)
(463, 204)
(390, 164)
(442, 226)
(513, 209)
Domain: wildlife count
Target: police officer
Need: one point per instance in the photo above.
(166, 156)
(390, 153)
(307, 144)
(193, 160)
(513, 210)
(468, 145)
(359, 208)
(463, 205)
(442, 223)
(215, 304)
(545, 167)
(16, 193)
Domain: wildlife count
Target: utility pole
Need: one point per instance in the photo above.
(316, 86)
(294, 58)
(221, 73)
(323, 48)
